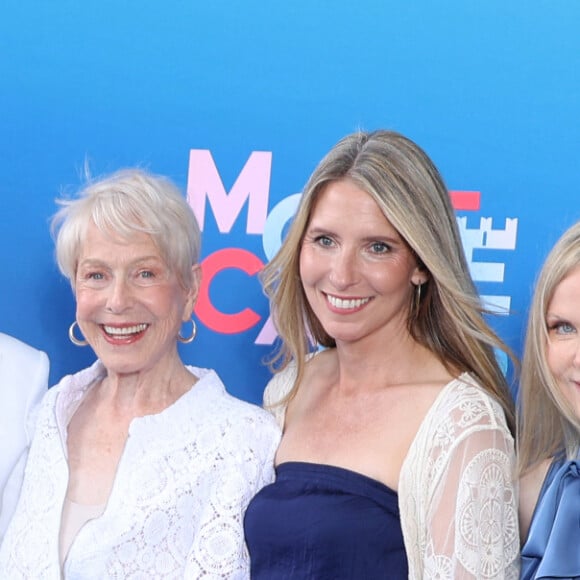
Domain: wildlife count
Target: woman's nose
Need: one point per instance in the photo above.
(343, 269)
(120, 296)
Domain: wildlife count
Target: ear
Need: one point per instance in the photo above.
(192, 293)
(419, 276)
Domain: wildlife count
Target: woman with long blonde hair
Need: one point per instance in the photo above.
(549, 418)
(397, 453)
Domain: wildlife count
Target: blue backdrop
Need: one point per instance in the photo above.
(238, 101)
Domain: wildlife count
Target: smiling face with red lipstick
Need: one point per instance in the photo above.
(130, 304)
(135, 424)
(358, 274)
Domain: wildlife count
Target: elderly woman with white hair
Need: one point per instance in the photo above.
(140, 466)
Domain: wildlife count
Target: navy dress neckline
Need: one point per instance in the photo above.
(292, 469)
(324, 522)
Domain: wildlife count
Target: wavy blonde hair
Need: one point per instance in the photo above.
(547, 424)
(408, 188)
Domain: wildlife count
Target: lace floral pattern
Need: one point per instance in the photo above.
(463, 521)
(176, 508)
(481, 518)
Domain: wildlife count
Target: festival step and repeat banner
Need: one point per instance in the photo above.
(238, 101)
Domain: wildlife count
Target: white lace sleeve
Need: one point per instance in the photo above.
(219, 551)
(471, 512)
(276, 390)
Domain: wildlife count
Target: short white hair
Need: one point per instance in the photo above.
(125, 202)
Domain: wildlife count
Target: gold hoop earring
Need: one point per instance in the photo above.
(71, 334)
(188, 339)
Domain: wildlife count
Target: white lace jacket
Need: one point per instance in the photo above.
(176, 508)
(456, 491)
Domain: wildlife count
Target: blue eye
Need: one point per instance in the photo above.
(565, 328)
(380, 247)
(562, 328)
(95, 276)
(323, 241)
(146, 274)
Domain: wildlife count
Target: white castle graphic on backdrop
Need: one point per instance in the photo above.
(487, 238)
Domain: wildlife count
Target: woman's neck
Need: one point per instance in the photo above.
(147, 391)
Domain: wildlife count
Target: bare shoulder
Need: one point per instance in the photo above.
(321, 360)
(530, 485)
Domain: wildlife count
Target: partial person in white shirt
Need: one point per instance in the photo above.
(140, 466)
(23, 383)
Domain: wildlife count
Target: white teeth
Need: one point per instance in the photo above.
(346, 304)
(125, 330)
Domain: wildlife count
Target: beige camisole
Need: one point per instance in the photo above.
(74, 517)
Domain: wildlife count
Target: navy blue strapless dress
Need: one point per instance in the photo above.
(325, 523)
